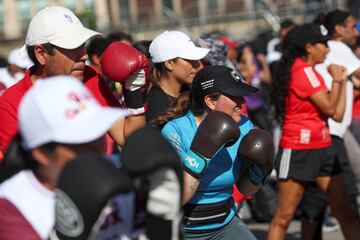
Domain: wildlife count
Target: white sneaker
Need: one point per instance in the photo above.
(329, 225)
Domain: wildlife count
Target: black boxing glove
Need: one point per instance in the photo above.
(215, 131)
(156, 169)
(85, 186)
(256, 151)
(15, 159)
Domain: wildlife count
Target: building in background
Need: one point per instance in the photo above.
(243, 19)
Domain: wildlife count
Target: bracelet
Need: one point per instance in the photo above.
(337, 81)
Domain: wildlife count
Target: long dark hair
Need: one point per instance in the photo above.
(182, 104)
(280, 86)
(160, 70)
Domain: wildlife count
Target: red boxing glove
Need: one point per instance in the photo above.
(126, 65)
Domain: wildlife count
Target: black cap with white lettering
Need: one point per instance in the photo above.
(221, 79)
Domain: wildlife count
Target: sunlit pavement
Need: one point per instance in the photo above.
(260, 230)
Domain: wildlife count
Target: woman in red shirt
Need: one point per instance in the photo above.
(303, 103)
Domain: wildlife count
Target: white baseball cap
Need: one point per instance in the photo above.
(19, 59)
(61, 109)
(58, 26)
(173, 44)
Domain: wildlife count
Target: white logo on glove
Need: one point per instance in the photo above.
(192, 162)
(68, 219)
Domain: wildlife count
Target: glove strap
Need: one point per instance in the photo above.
(135, 101)
(194, 164)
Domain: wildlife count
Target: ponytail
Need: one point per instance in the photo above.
(181, 106)
(280, 86)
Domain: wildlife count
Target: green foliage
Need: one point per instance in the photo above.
(87, 18)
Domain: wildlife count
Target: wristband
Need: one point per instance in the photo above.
(195, 165)
(135, 101)
(337, 81)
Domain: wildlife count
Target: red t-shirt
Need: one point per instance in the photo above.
(356, 110)
(10, 100)
(304, 126)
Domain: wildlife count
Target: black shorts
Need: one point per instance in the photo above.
(306, 165)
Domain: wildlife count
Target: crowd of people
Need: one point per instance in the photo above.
(105, 137)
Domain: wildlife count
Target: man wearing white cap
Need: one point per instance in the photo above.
(15, 70)
(59, 118)
(55, 42)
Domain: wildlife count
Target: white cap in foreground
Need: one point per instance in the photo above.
(61, 109)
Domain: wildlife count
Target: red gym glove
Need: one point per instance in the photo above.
(126, 65)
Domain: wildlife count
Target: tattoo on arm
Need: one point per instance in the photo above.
(193, 187)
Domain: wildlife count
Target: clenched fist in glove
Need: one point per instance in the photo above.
(156, 169)
(84, 189)
(126, 65)
(256, 151)
(215, 131)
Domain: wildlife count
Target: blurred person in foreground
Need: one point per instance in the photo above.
(59, 118)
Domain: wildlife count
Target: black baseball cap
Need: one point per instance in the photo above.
(310, 33)
(222, 79)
